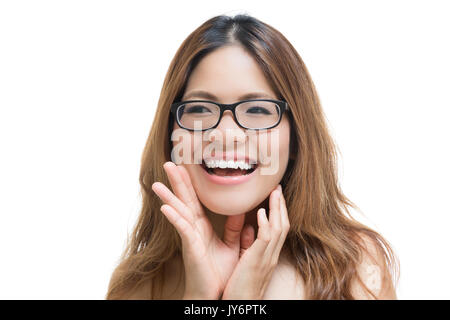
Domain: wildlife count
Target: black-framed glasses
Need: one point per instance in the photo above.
(254, 114)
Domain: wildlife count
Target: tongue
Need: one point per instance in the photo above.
(229, 172)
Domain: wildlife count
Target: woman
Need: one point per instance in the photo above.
(240, 223)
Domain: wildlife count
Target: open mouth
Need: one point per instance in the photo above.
(231, 168)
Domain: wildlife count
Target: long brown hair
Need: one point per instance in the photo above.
(325, 242)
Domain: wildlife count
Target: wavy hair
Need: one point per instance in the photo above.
(325, 242)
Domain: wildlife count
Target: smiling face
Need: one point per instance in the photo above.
(228, 75)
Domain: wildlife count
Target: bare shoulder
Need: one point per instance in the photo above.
(286, 283)
(374, 274)
(141, 292)
(172, 288)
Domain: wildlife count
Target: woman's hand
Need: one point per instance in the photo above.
(208, 261)
(257, 263)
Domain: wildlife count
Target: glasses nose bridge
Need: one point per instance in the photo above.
(228, 106)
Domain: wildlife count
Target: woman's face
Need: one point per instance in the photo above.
(228, 74)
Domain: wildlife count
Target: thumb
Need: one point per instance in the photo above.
(232, 230)
(247, 238)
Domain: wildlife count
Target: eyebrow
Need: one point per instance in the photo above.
(209, 96)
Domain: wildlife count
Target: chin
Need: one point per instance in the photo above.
(228, 207)
(229, 199)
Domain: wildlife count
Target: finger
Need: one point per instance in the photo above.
(263, 238)
(274, 213)
(283, 213)
(178, 185)
(247, 238)
(187, 180)
(285, 226)
(169, 198)
(183, 227)
(193, 195)
(232, 230)
(274, 218)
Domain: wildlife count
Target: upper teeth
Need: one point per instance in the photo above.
(228, 164)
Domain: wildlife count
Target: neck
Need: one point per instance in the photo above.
(218, 220)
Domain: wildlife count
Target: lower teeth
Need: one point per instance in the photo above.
(244, 172)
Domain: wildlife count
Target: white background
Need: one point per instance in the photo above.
(79, 82)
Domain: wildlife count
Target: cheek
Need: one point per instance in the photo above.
(284, 143)
(284, 140)
(273, 149)
(186, 146)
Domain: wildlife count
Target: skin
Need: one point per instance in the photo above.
(231, 247)
(229, 73)
(220, 253)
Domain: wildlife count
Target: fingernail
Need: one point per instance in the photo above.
(279, 187)
(262, 211)
(169, 164)
(155, 186)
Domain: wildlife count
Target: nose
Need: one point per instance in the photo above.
(228, 124)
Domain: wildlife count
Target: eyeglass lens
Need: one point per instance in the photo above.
(251, 114)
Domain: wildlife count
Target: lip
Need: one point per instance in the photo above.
(228, 181)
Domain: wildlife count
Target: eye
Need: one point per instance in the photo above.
(258, 110)
(197, 109)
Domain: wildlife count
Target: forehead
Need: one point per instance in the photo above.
(228, 72)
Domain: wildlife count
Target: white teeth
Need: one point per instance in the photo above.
(228, 164)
